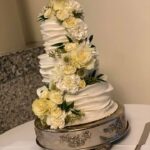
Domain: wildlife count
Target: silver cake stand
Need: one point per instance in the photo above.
(98, 135)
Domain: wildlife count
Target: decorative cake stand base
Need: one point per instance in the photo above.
(98, 135)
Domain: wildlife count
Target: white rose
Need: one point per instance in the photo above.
(63, 14)
(43, 92)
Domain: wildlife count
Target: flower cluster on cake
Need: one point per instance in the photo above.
(75, 91)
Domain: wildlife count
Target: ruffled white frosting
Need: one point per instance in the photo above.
(94, 101)
(47, 64)
(52, 33)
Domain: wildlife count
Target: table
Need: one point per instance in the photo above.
(23, 136)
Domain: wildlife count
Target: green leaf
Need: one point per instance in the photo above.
(71, 118)
(92, 78)
(76, 112)
(93, 46)
(69, 39)
(66, 106)
(91, 38)
(60, 50)
(58, 44)
(78, 15)
(93, 73)
(52, 54)
(42, 18)
(81, 72)
(100, 75)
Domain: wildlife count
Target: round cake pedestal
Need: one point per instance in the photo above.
(98, 135)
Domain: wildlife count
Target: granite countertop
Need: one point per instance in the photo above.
(19, 79)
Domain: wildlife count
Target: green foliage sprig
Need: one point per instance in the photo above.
(66, 106)
(42, 18)
(93, 78)
(78, 15)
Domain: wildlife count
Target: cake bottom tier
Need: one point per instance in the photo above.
(92, 136)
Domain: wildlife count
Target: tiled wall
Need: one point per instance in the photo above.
(19, 79)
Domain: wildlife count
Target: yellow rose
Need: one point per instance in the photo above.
(68, 69)
(51, 105)
(63, 14)
(70, 22)
(39, 107)
(70, 46)
(82, 84)
(56, 113)
(47, 13)
(56, 97)
(58, 4)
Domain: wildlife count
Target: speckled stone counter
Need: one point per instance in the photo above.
(19, 79)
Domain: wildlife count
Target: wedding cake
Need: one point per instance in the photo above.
(75, 92)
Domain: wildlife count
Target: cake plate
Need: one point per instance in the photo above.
(98, 135)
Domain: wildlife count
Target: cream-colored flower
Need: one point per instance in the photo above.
(69, 83)
(56, 97)
(43, 92)
(71, 46)
(58, 4)
(82, 56)
(51, 105)
(79, 31)
(47, 13)
(74, 6)
(39, 107)
(56, 113)
(82, 84)
(56, 123)
(63, 14)
(57, 73)
(71, 22)
(68, 69)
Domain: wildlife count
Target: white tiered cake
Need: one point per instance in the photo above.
(75, 93)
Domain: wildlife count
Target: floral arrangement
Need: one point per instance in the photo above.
(74, 70)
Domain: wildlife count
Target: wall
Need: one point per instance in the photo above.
(122, 35)
(11, 35)
(29, 10)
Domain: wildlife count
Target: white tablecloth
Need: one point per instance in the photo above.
(23, 136)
